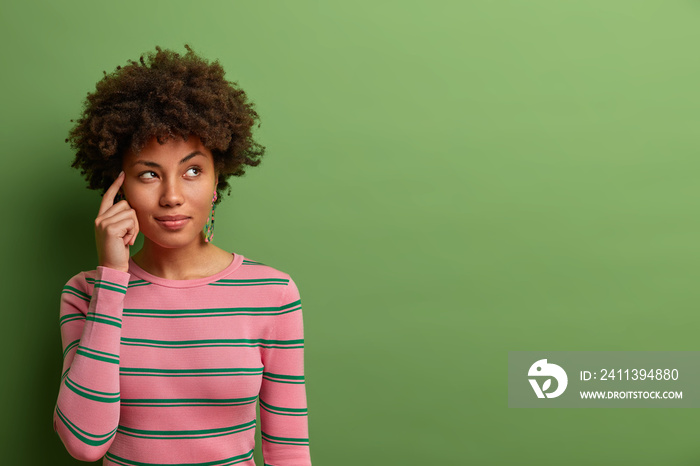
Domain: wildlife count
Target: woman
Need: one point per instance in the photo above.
(166, 352)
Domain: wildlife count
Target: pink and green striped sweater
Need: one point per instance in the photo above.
(162, 372)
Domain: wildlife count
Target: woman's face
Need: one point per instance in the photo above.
(171, 187)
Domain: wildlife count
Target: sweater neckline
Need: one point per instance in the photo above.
(137, 271)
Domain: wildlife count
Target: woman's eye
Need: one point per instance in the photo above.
(193, 171)
(147, 175)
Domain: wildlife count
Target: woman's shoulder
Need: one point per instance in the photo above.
(85, 280)
(77, 292)
(256, 268)
(82, 279)
(252, 269)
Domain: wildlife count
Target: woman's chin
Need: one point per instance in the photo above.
(175, 240)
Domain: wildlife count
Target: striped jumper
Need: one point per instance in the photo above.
(161, 371)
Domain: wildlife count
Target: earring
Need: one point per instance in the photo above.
(209, 227)
(118, 197)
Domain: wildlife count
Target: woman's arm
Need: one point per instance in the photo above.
(87, 410)
(283, 410)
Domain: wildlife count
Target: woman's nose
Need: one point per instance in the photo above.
(172, 194)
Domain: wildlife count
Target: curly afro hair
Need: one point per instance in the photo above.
(165, 96)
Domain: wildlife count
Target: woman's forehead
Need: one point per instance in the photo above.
(171, 151)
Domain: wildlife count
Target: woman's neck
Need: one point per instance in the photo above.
(198, 260)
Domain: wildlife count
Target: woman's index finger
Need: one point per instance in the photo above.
(110, 194)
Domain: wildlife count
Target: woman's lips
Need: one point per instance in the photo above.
(172, 222)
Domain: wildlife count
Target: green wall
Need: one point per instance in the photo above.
(446, 182)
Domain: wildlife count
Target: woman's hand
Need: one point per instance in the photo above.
(116, 227)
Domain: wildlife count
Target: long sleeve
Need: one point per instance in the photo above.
(86, 415)
(283, 409)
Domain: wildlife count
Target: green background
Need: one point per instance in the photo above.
(445, 181)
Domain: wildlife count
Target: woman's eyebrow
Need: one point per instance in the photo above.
(148, 163)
